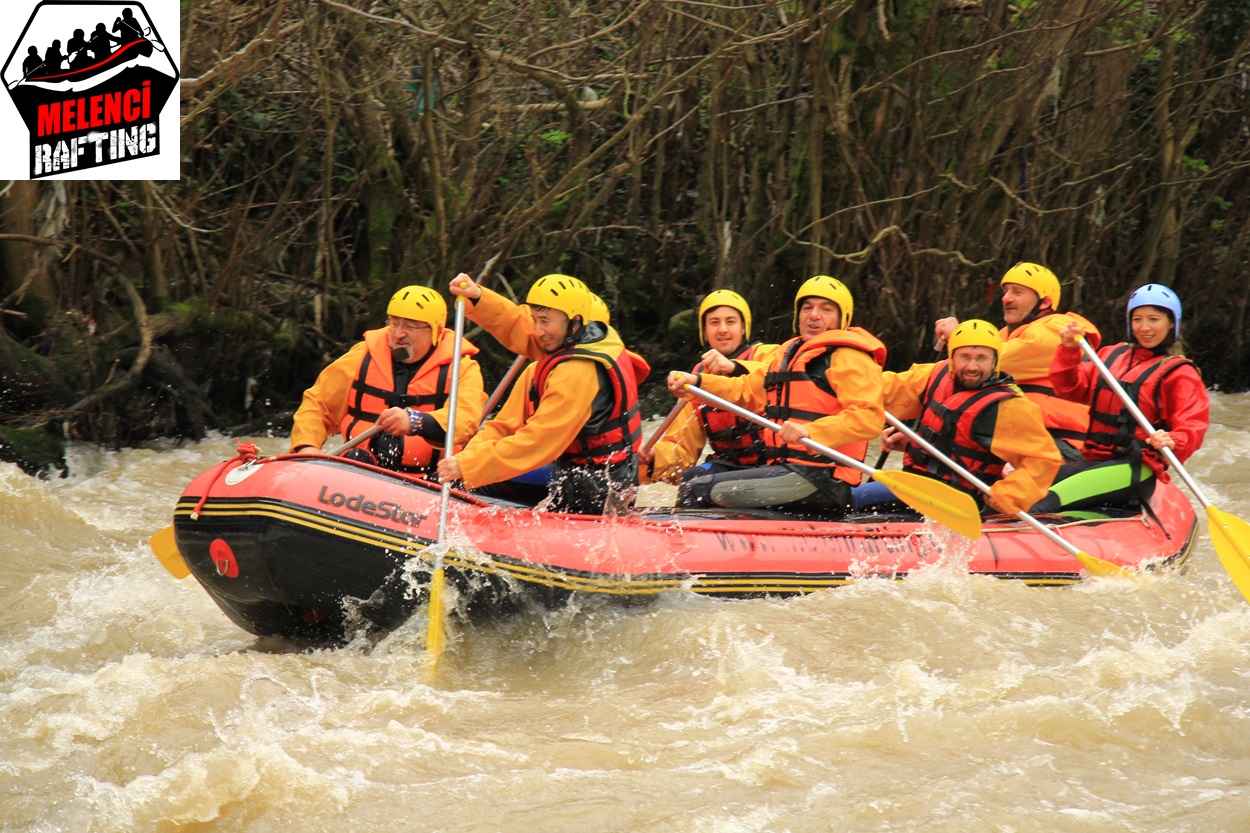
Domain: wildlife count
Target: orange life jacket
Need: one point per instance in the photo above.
(1065, 419)
(947, 421)
(373, 391)
(1113, 431)
(798, 389)
(733, 439)
(613, 430)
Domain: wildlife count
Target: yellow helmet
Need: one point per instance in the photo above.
(976, 333)
(831, 289)
(420, 303)
(725, 298)
(599, 310)
(1037, 278)
(566, 294)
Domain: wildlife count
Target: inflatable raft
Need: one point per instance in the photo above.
(124, 55)
(317, 549)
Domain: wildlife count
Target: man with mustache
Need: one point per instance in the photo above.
(398, 378)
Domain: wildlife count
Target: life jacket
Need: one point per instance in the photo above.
(947, 421)
(798, 389)
(373, 391)
(1113, 431)
(733, 439)
(613, 430)
(1064, 419)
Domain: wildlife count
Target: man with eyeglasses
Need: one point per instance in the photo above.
(399, 379)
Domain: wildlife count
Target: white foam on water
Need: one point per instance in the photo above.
(944, 702)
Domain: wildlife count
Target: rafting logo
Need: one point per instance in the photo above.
(90, 81)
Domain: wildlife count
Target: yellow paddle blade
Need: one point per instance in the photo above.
(436, 635)
(1096, 566)
(166, 549)
(934, 499)
(1231, 537)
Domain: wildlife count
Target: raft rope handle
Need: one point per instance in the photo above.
(247, 452)
(1082, 522)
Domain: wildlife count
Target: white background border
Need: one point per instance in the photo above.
(15, 137)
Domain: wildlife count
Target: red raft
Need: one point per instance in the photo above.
(316, 549)
(124, 55)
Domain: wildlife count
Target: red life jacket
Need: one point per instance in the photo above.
(798, 389)
(373, 391)
(1113, 431)
(733, 439)
(947, 421)
(613, 430)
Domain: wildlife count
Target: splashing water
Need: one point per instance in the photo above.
(945, 702)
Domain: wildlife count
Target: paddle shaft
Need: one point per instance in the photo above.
(449, 444)
(763, 422)
(355, 441)
(668, 420)
(502, 387)
(1114, 384)
(436, 631)
(913, 437)
(937, 349)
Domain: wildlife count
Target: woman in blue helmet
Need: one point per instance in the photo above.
(1121, 462)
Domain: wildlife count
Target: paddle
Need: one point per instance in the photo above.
(659, 432)
(1095, 565)
(1229, 534)
(502, 387)
(436, 634)
(166, 550)
(938, 344)
(354, 441)
(931, 498)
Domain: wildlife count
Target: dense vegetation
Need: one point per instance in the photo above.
(336, 149)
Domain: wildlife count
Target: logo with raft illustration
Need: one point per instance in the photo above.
(90, 81)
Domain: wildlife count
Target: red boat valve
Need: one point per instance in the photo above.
(223, 558)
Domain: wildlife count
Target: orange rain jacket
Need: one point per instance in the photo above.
(1028, 350)
(512, 444)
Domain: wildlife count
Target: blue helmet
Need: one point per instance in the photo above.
(1154, 295)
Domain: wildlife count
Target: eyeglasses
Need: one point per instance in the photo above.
(406, 326)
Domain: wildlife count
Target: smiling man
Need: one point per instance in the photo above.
(974, 414)
(825, 383)
(725, 330)
(1030, 302)
(398, 378)
(575, 407)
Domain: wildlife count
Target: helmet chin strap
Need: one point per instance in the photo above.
(1035, 313)
(1032, 315)
(575, 328)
